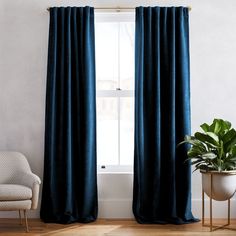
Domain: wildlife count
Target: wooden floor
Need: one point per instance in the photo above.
(11, 227)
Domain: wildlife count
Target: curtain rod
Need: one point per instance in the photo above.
(119, 8)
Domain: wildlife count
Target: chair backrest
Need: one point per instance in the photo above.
(12, 163)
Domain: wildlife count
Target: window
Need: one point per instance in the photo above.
(114, 35)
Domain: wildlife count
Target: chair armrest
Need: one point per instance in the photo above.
(32, 181)
(28, 179)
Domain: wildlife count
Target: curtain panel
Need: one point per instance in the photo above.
(70, 178)
(162, 178)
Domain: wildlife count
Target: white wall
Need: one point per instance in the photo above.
(23, 60)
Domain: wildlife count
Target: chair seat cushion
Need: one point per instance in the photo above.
(15, 205)
(13, 192)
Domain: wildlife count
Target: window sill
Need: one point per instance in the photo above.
(115, 169)
(114, 173)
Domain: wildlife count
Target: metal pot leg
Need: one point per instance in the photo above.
(211, 226)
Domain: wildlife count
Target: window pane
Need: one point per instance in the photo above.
(115, 68)
(127, 55)
(126, 131)
(107, 131)
(106, 35)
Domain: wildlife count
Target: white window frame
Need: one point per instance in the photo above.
(118, 93)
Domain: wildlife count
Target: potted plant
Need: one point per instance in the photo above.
(213, 152)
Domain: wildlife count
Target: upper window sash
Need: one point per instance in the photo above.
(114, 17)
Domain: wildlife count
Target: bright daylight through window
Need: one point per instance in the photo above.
(114, 35)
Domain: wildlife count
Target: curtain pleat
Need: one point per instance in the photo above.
(162, 178)
(70, 178)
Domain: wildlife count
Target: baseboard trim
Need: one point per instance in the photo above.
(122, 209)
(219, 208)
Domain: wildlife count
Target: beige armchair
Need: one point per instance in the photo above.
(19, 187)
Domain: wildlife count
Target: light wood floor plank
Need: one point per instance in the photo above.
(103, 227)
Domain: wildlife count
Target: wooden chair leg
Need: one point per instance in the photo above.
(26, 221)
(20, 217)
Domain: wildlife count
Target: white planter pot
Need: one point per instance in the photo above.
(223, 184)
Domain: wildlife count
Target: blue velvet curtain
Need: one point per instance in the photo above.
(162, 178)
(70, 184)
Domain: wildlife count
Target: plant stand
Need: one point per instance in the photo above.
(211, 226)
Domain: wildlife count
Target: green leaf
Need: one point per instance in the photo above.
(205, 127)
(194, 142)
(202, 166)
(229, 145)
(232, 159)
(217, 126)
(229, 135)
(196, 162)
(187, 139)
(233, 150)
(209, 155)
(197, 150)
(214, 136)
(226, 125)
(205, 138)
